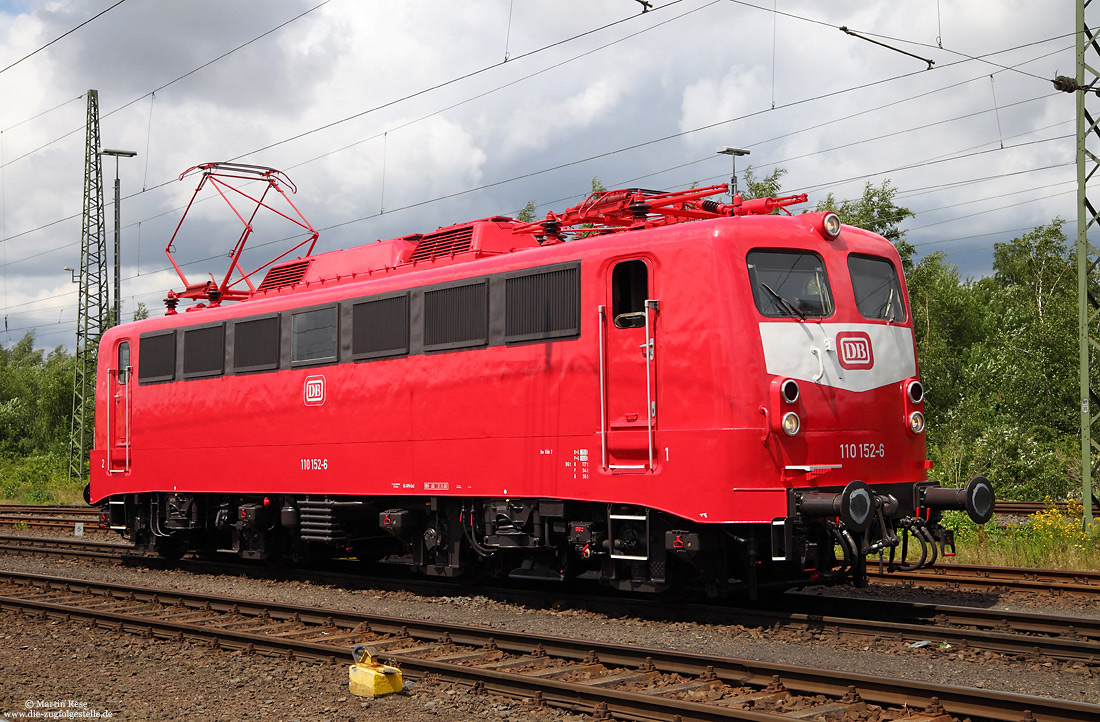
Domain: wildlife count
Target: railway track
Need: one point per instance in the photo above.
(1024, 508)
(65, 547)
(1023, 635)
(47, 516)
(976, 576)
(580, 675)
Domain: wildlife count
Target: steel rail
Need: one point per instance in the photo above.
(956, 700)
(1027, 634)
(1016, 578)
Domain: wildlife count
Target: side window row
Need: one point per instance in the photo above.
(543, 304)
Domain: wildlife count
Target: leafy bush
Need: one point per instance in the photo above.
(39, 479)
(1051, 538)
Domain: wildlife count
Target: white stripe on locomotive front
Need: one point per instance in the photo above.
(789, 351)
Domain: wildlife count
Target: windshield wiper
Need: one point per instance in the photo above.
(785, 303)
(888, 309)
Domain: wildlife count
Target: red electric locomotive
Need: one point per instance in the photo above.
(657, 387)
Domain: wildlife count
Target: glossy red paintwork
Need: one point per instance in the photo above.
(523, 420)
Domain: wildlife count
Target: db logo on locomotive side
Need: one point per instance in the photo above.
(854, 350)
(315, 390)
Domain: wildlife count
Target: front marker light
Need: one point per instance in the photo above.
(916, 422)
(791, 423)
(831, 225)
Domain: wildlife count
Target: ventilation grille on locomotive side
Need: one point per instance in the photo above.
(444, 243)
(285, 275)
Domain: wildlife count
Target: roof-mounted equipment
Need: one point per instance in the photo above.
(219, 175)
(635, 208)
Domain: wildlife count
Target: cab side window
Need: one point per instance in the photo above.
(629, 291)
(123, 362)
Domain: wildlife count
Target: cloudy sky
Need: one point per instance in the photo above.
(396, 118)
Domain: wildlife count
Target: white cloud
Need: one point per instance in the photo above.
(359, 59)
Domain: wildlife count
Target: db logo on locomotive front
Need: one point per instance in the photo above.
(854, 350)
(315, 390)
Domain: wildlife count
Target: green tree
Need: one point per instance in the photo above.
(877, 212)
(141, 312)
(35, 397)
(998, 356)
(769, 186)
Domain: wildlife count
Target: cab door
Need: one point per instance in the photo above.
(629, 345)
(119, 405)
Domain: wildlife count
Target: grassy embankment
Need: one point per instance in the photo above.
(1049, 539)
(39, 479)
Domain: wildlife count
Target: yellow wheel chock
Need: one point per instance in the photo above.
(368, 678)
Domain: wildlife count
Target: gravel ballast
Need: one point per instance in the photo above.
(148, 679)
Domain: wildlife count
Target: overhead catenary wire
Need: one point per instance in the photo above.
(170, 181)
(706, 127)
(169, 83)
(62, 35)
(330, 227)
(451, 81)
(820, 151)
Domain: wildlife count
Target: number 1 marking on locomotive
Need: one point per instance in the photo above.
(666, 453)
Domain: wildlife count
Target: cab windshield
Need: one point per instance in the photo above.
(790, 284)
(877, 289)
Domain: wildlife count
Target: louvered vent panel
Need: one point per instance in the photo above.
(203, 351)
(157, 358)
(444, 243)
(456, 317)
(543, 305)
(285, 275)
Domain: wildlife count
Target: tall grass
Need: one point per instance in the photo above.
(1050, 539)
(39, 479)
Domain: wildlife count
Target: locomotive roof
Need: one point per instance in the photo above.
(451, 244)
(598, 218)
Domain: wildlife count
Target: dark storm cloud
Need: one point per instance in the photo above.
(143, 45)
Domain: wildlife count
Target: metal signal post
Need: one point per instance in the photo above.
(92, 302)
(117, 307)
(1087, 255)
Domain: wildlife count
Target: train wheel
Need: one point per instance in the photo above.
(169, 548)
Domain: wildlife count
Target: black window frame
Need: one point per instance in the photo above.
(896, 277)
(382, 298)
(187, 332)
(265, 366)
(574, 301)
(121, 373)
(323, 360)
(627, 310)
(143, 367)
(430, 292)
(758, 292)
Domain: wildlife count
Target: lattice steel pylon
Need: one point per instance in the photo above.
(92, 304)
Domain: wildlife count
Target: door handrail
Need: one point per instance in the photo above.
(603, 391)
(650, 360)
(112, 380)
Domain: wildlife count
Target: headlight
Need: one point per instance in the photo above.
(791, 423)
(916, 422)
(831, 225)
(916, 391)
(789, 389)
